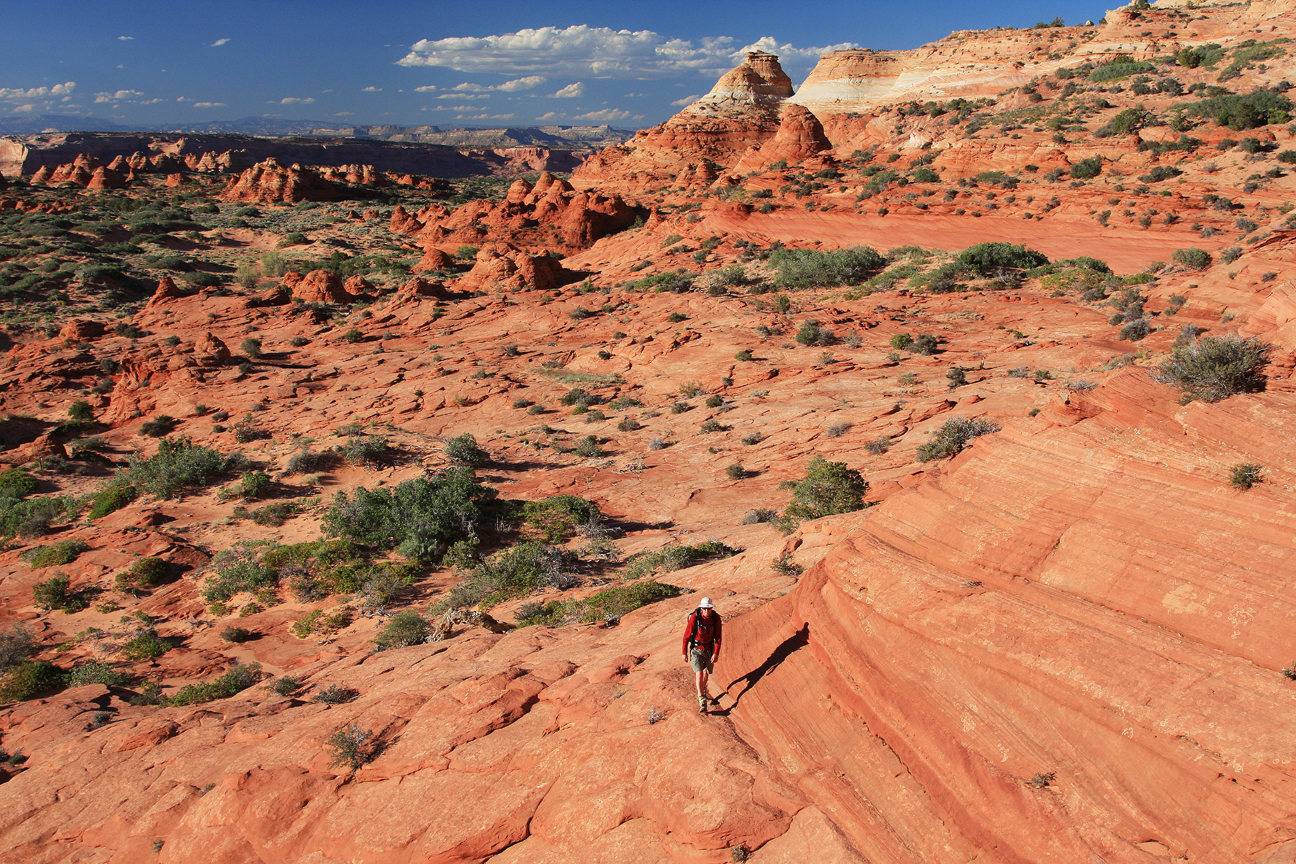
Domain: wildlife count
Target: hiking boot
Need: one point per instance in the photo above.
(702, 705)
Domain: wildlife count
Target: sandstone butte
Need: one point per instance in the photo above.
(1065, 643)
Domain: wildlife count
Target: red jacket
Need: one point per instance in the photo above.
(707, 635)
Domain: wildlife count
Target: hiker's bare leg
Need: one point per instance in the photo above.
(702, 684)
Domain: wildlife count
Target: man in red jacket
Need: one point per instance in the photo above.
(702, 647)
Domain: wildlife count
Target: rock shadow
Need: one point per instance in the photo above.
(787, 648)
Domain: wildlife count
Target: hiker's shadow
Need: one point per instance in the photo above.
(785, 649)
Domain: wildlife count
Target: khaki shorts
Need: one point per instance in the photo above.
(700, 660)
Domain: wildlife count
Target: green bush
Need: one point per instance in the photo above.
(1192, 258)
(986, 258)
(158, 426)
(926, 344)
(81, 411)
(1120, 66)
(444, 509)
(111, 498)
(1087, 169)
(556, 519)
(96, 672)
(513, 572)
(828, 488)
(1213, 368)
(56, 554)
(144, 573)
(32, 517)
(675, 556)
(406, 627)
(238, 678)
(145, 646)
(350, 745)
(254, 484)
(52, 593)
(900, 341)
(237, 569)
(17, 483)
(953, 436)
(463, 450)
(600, 606)
(16, 645)
(179, 464)
(809, 268)
(1244, 475)
(588, 447)
(30, 679)
(1249, 111)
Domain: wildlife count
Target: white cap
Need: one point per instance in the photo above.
(706, 603)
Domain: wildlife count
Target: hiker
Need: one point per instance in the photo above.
(702, 648)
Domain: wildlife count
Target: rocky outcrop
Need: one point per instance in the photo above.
(320, 286)
(166, 290)
(741, 112)
(271, 182)
(504, 267)
(800, 134)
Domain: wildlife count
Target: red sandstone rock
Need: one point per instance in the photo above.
(166, 290)
(82, 330)
(320, 286)
(434, 259)
(270, 182)
(403, 223)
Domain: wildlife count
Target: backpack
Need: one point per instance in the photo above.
(696, 619)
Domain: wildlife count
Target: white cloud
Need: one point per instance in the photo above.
(220, 42)
(371, 89)
(458, 107)
(23, 108)
(571, 91)
(117, 96)
(687, 100)
(516, 84)
(343, 114)
(598, 51)
(294, 100)
(551, 115)
(485, 116)
(209, 104)
(426, 88)
(8, 94)
(607, 115)
(462, 96)
(154, 101)
(125, 38)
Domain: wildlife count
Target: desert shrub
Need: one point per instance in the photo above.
(350, 746)
(442, 509)
(53, 593)
(16, 645)
(236, 634)
(556, 519)
(827, 489)
(900, 341)
(925, 344)
(25, 680)
(32, 517)
(878, 446)
(463, 450)
(809, 268)
(144, 573)
(1120, 66)
(111, 498)
(251, 347)
(587, 446)
(96, 672)
(1087, 169)
(81, 411)
(238, 678)
(56, 554)
(363, 449)
(610, 603)
(237, 569)
(986, 258)
(247, 431)
(145, 646)
(1213, 368)
(1245, 111)
(675, 556)
(406, 627)
(1192, 258)
(334, 694)
(158, 426)
(512, 572)
(17, 483)
(353, 335)
(1244, 475)
(1135, 330)
(286, 685)
(953, 436)
(306, 461)
(254, 484)
(759, 515)
(179, 464)
(812, 334)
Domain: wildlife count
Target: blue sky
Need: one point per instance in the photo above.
(483, 63)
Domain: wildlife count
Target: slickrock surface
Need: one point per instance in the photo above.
(1070, 641)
